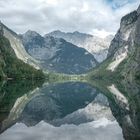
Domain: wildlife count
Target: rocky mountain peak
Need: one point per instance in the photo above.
(31, 33)
(56, 32)
(32, 36)
(76, 32)
(80, 34)
(122, 38)
(129, 19)
(60, 34)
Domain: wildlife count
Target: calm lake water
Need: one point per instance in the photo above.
(67, 111)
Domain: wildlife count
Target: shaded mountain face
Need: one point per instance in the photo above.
(57, 54)
(12, 66)
(98, 47)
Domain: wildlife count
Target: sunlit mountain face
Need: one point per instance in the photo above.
(69, 70)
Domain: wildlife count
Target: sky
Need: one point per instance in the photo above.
(97, 17)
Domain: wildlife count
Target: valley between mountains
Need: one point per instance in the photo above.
(41, 63)
(73, 53)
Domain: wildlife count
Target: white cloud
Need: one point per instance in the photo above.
(51, 2)
(102, 129)
(47, 15)
(102, 33)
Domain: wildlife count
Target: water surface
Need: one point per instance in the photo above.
(65, 111)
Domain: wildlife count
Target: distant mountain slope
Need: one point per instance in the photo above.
(93, 44)
(11, 66)
(57, 54)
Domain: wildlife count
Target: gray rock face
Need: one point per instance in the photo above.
(97, 46)
(128, 36)
(122, 37)
(58, 55)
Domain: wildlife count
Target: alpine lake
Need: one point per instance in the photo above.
(70, 109)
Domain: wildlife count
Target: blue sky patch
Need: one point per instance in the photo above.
(115, 4)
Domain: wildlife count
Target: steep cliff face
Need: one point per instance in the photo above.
(122, 44)
(121, 39)
(130, 67)
(18, 47)
(11, 66)
(124, 52)
(58, 55)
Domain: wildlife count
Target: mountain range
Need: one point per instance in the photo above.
(70, 53)
(97, 46)
(76, 53)
(58, 55)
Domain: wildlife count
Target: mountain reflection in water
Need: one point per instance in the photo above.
(67, 111)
